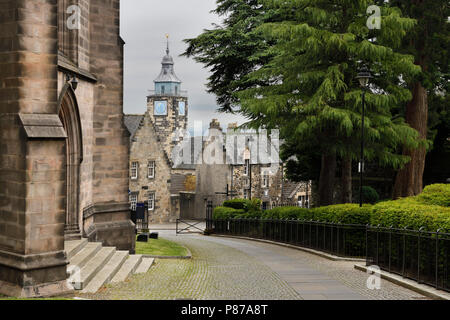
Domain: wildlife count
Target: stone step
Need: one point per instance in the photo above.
(83, 257)
(145, 265)
(107, 272)
(81, 280)
(73, 247)
(129, 267)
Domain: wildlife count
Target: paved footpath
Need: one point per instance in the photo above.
(224, 268)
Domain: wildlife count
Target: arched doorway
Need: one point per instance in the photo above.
(69, 114)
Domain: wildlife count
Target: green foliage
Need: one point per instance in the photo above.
(343, 213)
(288, 213)
(429, 210)
(235, 203)
(370, 195)
(436, 194)
(411, 214)
(253, 205)
(227, 213)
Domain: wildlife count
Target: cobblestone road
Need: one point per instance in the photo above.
(224, 269)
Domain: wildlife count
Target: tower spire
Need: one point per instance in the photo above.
(167, 37)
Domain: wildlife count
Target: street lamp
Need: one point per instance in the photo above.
(363, 77)
(247, 161)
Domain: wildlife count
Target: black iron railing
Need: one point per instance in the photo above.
(418, 255)
(339, 239)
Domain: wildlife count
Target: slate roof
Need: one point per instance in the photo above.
(132, 122)
(288, 188)
(167, 71)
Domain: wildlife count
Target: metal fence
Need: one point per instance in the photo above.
(418, 255)
(338, 239)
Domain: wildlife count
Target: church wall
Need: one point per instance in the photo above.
(32, 150)
(107, 218)
(85, 98)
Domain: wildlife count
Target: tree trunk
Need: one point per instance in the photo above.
(409, 179)
(326, 180)
(346, 180)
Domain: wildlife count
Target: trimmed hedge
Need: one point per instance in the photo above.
(429, 210)
(235, 203)
(411, 214)
(344, 213)
(227, 213)
(435, 194)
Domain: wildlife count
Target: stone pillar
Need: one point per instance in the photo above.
(32, 152)
(108, 218)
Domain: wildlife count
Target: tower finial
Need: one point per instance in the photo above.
(167, 37)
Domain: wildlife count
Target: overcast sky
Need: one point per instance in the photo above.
(144, 24)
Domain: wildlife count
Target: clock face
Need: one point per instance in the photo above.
(182, 108)
(160, 108)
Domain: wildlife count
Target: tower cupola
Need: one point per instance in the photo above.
(167, 83)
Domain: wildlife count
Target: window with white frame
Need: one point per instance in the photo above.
(151, 201)
(151, 169)
(134, 170)
(133, 201)
(246, 193)
(247, 167)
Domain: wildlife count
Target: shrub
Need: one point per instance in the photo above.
(235, 203)
(370, 195)
(411, 214)
(227, 213)
(253, 206)
(287, 213)
(430, 210)
(435, 194)
(343, 213)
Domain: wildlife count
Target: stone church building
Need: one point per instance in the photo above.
(155, 180)
(63, 146)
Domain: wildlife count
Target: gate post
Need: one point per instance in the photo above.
(209, 210)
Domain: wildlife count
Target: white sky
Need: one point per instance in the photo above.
(144, 24)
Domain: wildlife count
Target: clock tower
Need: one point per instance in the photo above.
(167, 104)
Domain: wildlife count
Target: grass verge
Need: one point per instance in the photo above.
(160, 247)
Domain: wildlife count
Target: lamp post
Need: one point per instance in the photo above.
(363, 76)
(247, 157)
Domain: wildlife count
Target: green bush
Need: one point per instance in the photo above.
(287, 213)
(253, 206)
(235, 203)
(227, 213)
(369, 195)
(430, 210)
(343, 213)
(411, 214)
(435, 194)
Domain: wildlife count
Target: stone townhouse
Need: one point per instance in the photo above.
(250, 169)
(63, 145)
(155, 181)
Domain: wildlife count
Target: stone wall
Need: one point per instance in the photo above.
(32, 151)
(110, 148)
(144, 148)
